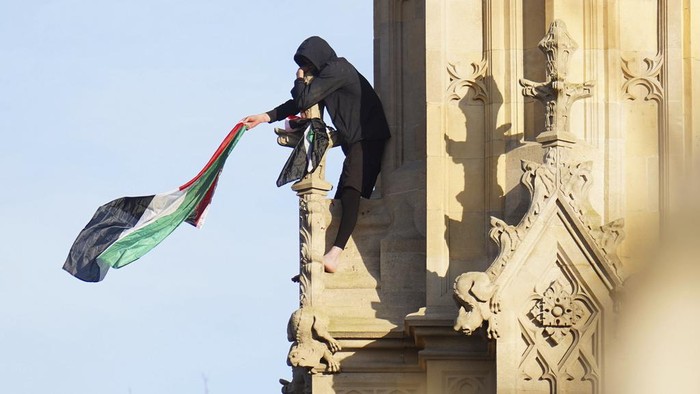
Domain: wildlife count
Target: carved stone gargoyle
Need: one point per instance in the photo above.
(477, 299)
(311, 344)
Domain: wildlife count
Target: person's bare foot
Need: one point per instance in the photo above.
(331, 259)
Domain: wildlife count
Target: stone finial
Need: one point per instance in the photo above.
(556, 94)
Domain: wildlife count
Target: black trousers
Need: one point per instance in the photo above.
(363, 161)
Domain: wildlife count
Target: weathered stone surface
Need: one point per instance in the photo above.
(468, 193)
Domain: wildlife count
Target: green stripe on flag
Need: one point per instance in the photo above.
(130, 248)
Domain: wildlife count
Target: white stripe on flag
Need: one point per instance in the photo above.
(161, 205)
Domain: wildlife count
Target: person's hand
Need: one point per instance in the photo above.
(300, 73)
(254, 120)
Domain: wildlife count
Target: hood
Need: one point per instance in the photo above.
(317, 50)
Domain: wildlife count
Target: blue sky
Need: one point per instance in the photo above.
(103, 99)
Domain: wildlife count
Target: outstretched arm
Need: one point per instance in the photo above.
(251, 121)
(278, 113)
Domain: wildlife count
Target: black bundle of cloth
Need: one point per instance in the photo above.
(308, 152)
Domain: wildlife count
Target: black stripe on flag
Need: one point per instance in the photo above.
(104, 229)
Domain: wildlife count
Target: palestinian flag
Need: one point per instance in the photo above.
(125, 229)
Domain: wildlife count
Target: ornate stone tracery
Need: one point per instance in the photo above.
(559, 327)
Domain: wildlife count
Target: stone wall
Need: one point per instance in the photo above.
(470, 186)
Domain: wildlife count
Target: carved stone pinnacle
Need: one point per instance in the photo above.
(556, 94)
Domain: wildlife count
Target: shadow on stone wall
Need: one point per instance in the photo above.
(483, 196)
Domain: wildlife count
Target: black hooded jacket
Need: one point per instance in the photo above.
(352, 103)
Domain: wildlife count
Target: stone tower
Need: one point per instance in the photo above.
(539, 148)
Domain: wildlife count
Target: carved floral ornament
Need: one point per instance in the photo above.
(645, 76)
(555, 311)
(460, 81)
(560, 334)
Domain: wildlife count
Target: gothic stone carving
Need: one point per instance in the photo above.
(477, 300)
(561, 335)
(311, 343)
(646, 76)
(311, 221)
(459, 82)
(556, 312)
(555, 180)
(307, 326)
(559, 323)
(556, 94)
(570, 183)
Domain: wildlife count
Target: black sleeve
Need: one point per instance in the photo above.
(321, 86)
(282, 111)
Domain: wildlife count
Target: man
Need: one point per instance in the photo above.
(356, 113)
